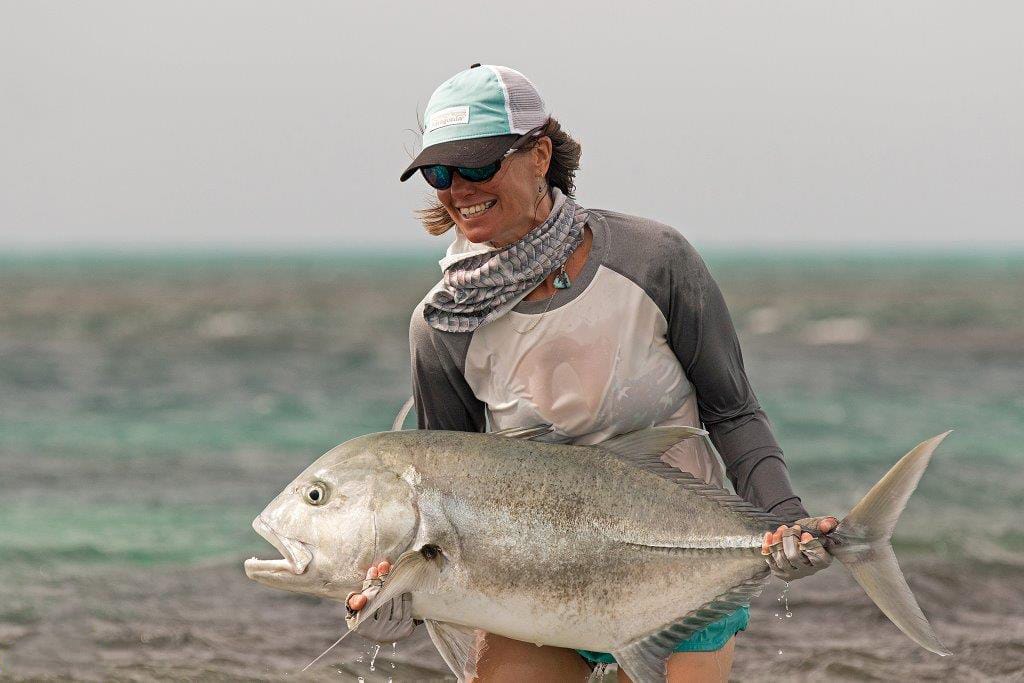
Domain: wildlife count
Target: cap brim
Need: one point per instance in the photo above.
(471, 153)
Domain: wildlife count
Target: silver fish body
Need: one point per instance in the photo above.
(547, 543)
(572, 546)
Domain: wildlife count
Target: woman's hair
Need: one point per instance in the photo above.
(565, 160)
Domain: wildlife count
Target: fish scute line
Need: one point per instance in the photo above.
(694, 551)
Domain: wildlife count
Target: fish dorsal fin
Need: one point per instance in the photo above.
(457, 645)
(525, 432)
(644, 658)
(727, 500)
(644, 448)
(652, 441)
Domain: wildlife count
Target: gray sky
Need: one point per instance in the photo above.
(286, 124)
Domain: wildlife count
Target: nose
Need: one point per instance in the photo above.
(460, 186)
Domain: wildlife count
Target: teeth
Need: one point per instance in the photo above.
(468, 211)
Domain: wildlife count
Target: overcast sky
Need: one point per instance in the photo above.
(286, 124)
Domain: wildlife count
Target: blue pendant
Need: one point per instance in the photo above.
(562, 280)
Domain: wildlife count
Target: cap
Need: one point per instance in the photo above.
(476, 116)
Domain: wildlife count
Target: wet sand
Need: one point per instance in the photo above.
(212, 624)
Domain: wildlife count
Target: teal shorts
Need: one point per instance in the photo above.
(712, 637)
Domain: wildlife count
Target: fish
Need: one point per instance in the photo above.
(535, 540)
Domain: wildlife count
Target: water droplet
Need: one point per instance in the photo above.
(373, 657)
(784, 600)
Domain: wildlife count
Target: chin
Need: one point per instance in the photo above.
(478, 233)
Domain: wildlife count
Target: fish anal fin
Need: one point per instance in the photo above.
(458, 647)
(644, 658)
(641, 664)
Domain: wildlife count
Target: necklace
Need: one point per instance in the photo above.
(562, 281)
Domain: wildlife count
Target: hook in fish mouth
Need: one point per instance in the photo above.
(297, 554)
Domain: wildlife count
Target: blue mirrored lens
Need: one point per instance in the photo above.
(480, 174)
(438, 177)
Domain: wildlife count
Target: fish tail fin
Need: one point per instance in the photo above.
(862, 543)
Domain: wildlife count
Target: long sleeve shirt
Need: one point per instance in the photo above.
(642, 338)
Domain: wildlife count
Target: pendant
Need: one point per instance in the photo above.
(562, 280)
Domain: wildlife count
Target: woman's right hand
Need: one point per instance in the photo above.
(393, 621)
(792, 553)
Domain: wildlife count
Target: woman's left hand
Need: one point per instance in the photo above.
(393, 621)
(793, 553)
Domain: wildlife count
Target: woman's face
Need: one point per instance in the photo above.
(506, 207)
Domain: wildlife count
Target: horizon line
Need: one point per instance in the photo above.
(1010, 249)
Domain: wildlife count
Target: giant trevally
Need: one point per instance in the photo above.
(535, 541)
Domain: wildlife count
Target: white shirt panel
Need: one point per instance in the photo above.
(598, 366)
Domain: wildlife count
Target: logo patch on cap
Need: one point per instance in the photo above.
(451, 116)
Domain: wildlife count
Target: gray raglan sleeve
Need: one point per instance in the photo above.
(704, 340)
(443, 398)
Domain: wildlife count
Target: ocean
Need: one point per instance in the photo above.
(151, 405)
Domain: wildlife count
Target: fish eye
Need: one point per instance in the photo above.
(316, 493)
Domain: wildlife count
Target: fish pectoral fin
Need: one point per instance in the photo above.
(644, 658)
(415, 570)
(458, 646)
(525, 433)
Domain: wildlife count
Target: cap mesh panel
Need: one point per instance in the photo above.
(526, 108)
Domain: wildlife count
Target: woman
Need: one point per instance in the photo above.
(592, 321)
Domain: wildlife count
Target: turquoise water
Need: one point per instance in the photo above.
(151, 406)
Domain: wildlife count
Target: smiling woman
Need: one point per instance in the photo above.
(564, 161)
(593, 322)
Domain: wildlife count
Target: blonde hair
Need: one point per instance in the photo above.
(565, 161)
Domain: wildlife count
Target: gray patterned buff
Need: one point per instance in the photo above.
(484, 286)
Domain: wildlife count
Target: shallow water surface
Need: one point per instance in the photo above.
(151, 407)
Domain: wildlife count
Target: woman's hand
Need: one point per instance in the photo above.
(793, 553)
(393, 621)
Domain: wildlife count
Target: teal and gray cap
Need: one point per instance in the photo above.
(478, 115)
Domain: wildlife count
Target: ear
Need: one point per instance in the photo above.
(541, 156)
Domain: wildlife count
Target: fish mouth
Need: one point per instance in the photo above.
(296, 554)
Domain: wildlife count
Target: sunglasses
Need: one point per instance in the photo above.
(440, 176)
